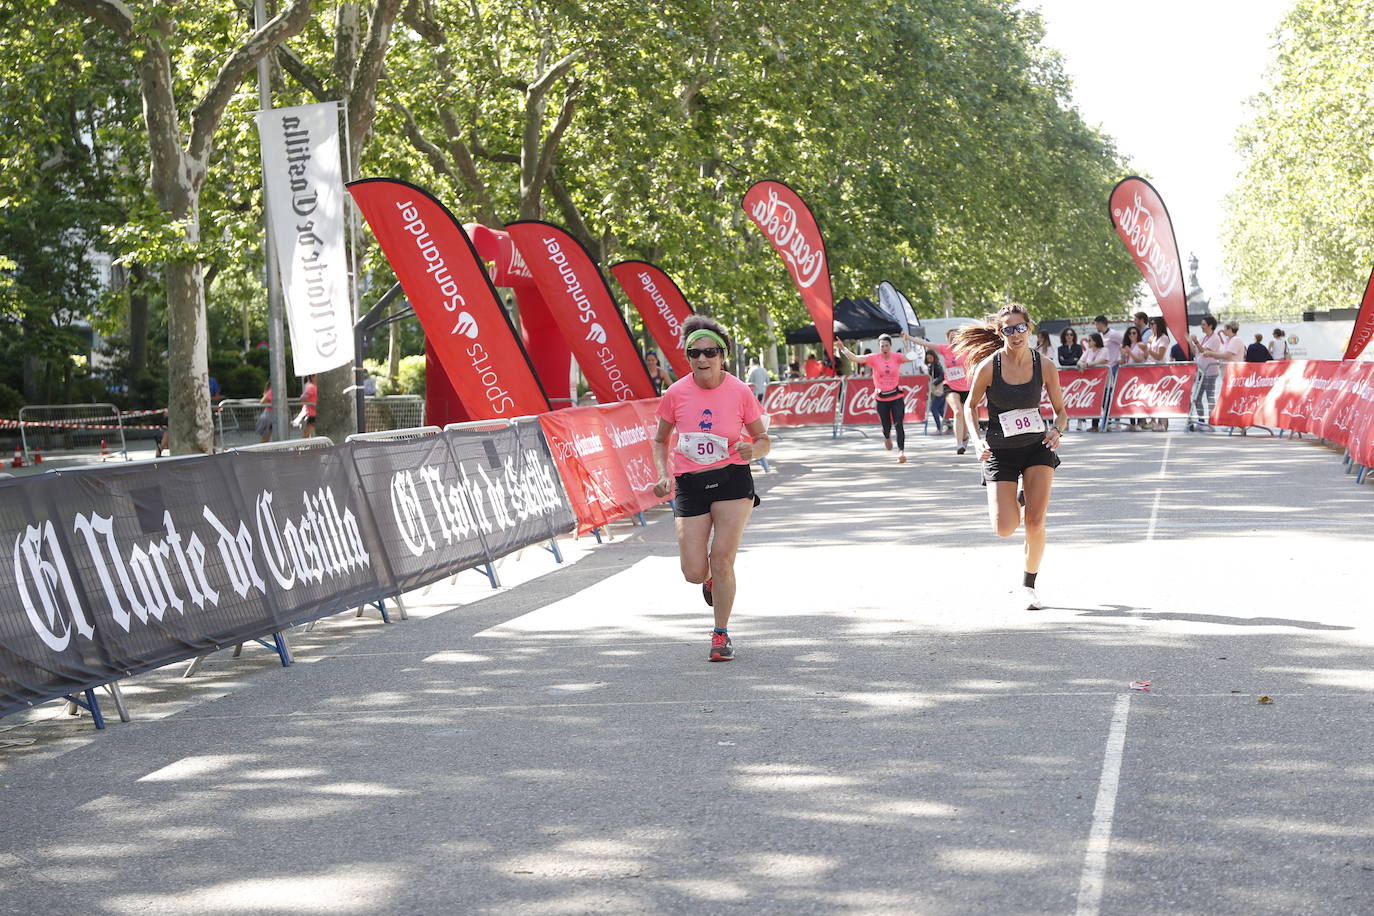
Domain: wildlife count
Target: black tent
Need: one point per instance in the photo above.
(855, 319)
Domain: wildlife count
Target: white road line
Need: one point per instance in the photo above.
(1100, 835)
(1159, 492)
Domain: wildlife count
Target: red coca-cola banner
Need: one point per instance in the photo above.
(1330, 399)
(1085, 393)
(586, 313)
(1152, 391)
(604, 454)
(785, 220)
(1364, 323)
(661, 305)
(860, 400)
(1139, 216)
(470, 333)
(808, 403)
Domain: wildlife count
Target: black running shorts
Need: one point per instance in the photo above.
(1008, 464)
(694, 492)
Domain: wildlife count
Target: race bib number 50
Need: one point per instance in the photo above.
(703, 448)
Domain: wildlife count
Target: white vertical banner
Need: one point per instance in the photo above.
(305, 208)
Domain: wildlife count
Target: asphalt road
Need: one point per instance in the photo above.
(897, 735)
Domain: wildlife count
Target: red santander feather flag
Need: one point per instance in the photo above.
(437, 267)
(1364, 323)
(785, 220)
(661, 305)
(1139, 216)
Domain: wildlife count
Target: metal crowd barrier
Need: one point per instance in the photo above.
(72, 426)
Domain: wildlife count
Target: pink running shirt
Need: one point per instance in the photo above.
(956, 376)
(887, 370)
(723, 411)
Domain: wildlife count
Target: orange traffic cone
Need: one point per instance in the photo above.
(37, 456)
(18, 458)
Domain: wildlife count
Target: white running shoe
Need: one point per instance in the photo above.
(1032, 599)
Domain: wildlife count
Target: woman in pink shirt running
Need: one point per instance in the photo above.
(956, 383)
(889, 396)
(711, 411)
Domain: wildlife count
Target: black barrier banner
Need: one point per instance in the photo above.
(124, 569)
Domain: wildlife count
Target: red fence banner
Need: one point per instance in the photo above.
(1328, 398)
(586, 313)
(662, 306)
(1364, 323)
(1139, 216)
(860, 400)
(1152, 391)
(604, 454)
(470, 333)
(785, 220)
(1085, 393)
(808, 403)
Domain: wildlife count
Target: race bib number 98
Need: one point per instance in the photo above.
(1018, 422)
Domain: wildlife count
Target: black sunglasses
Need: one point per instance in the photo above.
(708, 352)
(1015, 329)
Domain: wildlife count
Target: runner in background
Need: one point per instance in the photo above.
(889, 396)
(936, 371)
(657, 374)
(1019, 445)
(309, 394)
(710, 410)
(956, 382)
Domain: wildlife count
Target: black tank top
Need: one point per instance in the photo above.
(1005, 396)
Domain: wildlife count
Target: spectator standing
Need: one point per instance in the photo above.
(1142, 324)
(1070, 350)
(1209, 351)
(1257, 352)
(1278, 347)
(1111, 341)
(812, 368)
(1157, 345)
(757, 379)
(793, 371)
(1094, 357)
(936, 370)
(1133, 347)
(1044, 346)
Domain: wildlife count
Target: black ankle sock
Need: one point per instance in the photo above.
(1029, 580)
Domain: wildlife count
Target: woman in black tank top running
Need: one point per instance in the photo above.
(1018, 446)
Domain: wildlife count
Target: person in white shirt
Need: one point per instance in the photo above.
(1158, 343)
(1143, 325)
(757, 378)
(1278, 347)
(1211, 351)
(1111, 340)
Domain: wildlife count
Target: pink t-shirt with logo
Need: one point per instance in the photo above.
(956, 376)
(722, 411)
(887, 370)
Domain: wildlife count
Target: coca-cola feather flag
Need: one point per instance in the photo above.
(1364, 323)
(785, 220)
(1139, 216)
(661, 305)
(464, 322)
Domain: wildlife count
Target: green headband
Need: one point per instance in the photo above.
(705, 332)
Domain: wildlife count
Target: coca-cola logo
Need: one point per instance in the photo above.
(863, 399)
(818, 397)
(1136, 224)
(1083, 392)
(778, 220)
(1168, 392)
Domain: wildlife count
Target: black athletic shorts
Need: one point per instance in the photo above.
(1008, 464)
(694, 492)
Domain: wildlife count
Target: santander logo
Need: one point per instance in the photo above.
(467, 326)
(1137, 227)
(805, 258)
(596, 333)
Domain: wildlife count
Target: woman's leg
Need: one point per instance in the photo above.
(937, 413)
(956, 404)
(1003, 510)
(1037, 481)
(728, 518)
(693, 540)
(885, 417)
(899, 421)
